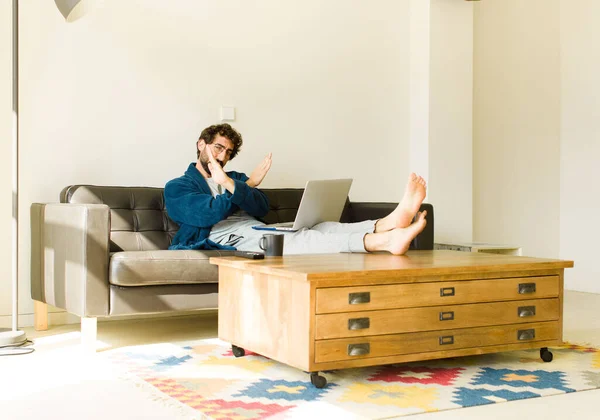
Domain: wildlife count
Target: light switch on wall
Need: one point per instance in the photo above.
(227, 113)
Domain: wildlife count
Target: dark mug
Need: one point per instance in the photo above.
(272, 244)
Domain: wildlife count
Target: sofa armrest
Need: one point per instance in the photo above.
(69, 257)
(359, 211)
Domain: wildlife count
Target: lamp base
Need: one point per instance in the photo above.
(12, 338)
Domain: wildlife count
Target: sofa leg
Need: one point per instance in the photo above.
(89, 330)
(40, 316)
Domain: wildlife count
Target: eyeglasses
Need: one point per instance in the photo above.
(220, 149)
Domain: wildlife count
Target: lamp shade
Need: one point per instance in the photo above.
(73, 9)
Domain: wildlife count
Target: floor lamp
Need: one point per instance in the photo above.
(71, 10)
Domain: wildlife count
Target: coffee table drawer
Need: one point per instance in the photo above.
(398, 344)
(431, 318)
(410, 295)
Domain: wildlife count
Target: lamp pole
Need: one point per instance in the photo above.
(15, 163)
(71, 10)
(14, 337)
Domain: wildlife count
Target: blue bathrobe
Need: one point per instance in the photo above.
(190, 203)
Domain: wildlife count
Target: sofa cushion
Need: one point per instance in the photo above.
(138, 217)
(162, 267)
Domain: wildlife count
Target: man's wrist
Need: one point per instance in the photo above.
(250, 183)
(229, 185)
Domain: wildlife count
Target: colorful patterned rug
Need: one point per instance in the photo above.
(206, 377)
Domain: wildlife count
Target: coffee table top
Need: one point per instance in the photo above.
(414, 263)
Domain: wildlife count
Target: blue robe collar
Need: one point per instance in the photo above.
(198, 178)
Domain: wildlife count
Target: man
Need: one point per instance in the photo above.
(217, 209)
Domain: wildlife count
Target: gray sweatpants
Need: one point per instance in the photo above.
(324, 238)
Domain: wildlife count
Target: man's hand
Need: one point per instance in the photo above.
(218, 174)
(257, 176)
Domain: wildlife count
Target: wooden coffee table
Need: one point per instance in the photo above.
(335, 311)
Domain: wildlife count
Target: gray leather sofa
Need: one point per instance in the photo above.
(102, 252)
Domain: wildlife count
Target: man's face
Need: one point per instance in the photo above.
(221, 148)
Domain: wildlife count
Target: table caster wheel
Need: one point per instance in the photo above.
(237, 351)
(317, 380)
(546, 354)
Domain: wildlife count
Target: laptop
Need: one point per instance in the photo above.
(322, 201)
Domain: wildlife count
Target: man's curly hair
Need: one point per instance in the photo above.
(224, 130)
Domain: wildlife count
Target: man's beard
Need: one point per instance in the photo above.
(204, 161)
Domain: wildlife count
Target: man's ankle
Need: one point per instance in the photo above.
(376, 224)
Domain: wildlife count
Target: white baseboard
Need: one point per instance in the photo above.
(26, 320)
(61, 317)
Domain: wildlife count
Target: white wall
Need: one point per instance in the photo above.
(5, 154)
(450, 119)
(120, 96)
(124, 93)
(420, 63)
(516, 127)
(537, 130)
(580, 142)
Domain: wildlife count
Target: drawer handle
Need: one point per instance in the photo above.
(526, 288)
(359, 349)
(525, 311)
(358, 298)
(446, 316)
(359, 323)
(523, 335)
(447, 339)
(446, 291)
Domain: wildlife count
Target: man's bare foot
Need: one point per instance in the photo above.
(400, 238)
(402, 216)
(396, 241)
